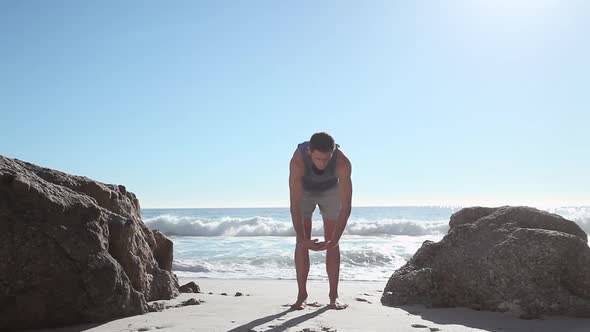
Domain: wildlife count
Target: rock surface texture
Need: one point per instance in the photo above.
(75, 250)
(517, 259)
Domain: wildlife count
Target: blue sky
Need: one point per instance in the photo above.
(201, 104)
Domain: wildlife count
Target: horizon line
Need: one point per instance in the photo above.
(376, 206)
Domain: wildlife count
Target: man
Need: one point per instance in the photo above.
(319, 175)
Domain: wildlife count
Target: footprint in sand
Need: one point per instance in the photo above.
(420, 326)
(323, 329)
(360, 299)
(149, 328)
(312, 304)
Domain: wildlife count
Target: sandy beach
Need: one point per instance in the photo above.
(264, 307)
(431, 156)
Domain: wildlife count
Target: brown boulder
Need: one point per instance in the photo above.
(516, 259)
(190, 287)
(75, 250)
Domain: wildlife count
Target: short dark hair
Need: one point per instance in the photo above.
(322, 141)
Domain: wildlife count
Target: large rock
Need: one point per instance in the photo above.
(75, 250)
(515, 259)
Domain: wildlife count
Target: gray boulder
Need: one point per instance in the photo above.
(190, 287)
(75, 250)
(517, 259)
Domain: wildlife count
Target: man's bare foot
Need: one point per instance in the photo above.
(337, 305)
(300, 304)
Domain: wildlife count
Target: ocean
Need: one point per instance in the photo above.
(258, 243)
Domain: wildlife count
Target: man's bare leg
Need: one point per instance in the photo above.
(333, 267)
(302, 268)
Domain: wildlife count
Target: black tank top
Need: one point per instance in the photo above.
(314, 180)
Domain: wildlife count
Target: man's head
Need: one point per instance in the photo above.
(321, 148)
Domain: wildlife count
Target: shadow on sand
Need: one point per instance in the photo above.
(279, 328)
(496, 321)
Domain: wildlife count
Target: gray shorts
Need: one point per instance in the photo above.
(328, 201)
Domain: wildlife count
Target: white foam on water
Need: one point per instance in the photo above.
(362, 257)
(249, 244)
(264, 226)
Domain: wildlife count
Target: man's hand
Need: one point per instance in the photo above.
(331, 244)
(314, 244)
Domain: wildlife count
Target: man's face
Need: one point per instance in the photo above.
(320, 159)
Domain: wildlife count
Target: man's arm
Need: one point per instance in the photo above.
(296, 192)
(343, 172)
(296, 173)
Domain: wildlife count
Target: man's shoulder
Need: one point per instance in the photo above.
(342, 159)
(296, 159)
(343, 164)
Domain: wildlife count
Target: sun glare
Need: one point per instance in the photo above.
(510, 29)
